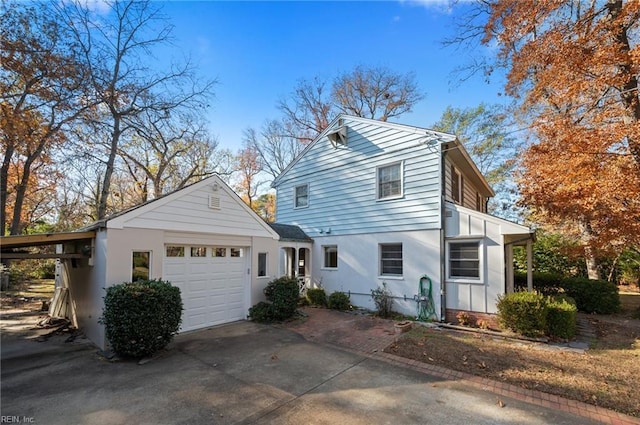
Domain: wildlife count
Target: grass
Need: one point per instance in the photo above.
(607, 375)
(27, 294)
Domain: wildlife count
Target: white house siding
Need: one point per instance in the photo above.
(342, 183)
(358, 267)
(481, 295)
(86, 284)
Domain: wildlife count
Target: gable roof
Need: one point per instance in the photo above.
(117, 220)
(437, 136)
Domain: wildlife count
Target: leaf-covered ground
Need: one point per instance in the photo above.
(607, 375)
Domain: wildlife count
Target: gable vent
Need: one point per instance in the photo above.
(214, 202)
(338, 137)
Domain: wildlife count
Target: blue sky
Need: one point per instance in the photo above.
(259, 50)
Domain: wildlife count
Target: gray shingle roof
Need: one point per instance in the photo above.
(290, 232)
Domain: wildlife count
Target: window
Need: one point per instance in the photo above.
(175, 251)
(456, 190)
(391, 259)
(301, 196)
(198, 251)
(236, 252)
(390, 181)
(464, 259)
(219, 252)
(262, 264)
(140, 265)
(330, 257)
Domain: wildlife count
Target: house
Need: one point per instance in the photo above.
(394, 204)
(202, 238)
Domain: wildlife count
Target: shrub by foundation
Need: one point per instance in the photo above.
(317, 296)
(383, 300)
(339, 301)
(561, 317)
(282, 300)
(523, 312)
(141, 318)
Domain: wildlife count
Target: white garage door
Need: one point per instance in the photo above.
(212, 281)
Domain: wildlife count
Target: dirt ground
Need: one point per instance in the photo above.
(607, 374)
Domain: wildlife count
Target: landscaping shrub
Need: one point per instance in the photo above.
(141, 318)
(282, 300)
(339, 301)
(593, 296)
(383, 300)
(317, 296)
(561, 317)
(523, 312)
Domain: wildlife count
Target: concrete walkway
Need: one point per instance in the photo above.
(369, 336)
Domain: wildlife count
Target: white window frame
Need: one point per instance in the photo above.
(481, 255)
(460, 181)
(379, 168)
(380, 261)
(295, 196)
(324, 257)
(266, 264)
(150, 262)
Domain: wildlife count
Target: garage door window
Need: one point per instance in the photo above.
(236, 252)
(175, 251)
(198, 251)
(141, 265)
(262, 264)
(219, 252)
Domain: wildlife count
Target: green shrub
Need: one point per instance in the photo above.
(383, 299)
(282, 295)
(339, 301)
(523, 312)
(317, 296)
(593, 296)
(561, 317)
(141, 318)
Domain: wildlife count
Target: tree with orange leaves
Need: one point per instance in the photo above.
(575, 68)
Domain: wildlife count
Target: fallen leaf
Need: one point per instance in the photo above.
(274, 357)
(501, 403)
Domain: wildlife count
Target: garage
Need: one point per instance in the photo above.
(213, 282)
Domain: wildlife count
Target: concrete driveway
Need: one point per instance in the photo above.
(242, 373)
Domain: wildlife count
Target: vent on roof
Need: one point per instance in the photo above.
(214, 202)
(338, 136)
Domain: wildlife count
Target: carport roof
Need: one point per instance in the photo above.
(290, 233)
(9, 243)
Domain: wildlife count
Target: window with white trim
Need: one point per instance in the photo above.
(457, 186)
(330, 254)
(262, 264)
(218, 251)
(391, 259)
(301, 198)
(140, 265)
(464, 260)
(389, 181)
(198, 251)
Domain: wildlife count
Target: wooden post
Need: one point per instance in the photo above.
(530, 265)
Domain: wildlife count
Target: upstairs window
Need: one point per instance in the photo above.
(301, 198)
(389, 181)
(391, 259)
(457, 186)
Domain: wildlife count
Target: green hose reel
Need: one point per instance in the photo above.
(426, 306)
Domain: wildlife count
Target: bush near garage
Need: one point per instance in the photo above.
(282, 300)
(591, 296)
(141, 318)
(339, 301)
(317, 296)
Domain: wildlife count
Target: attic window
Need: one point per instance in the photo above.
(214, 202)
(457, 186)
(338, 137)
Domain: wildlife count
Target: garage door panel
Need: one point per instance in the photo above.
(213, 288)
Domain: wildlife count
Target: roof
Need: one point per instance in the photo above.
(440, 137)
(290, 233)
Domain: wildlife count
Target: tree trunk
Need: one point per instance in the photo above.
(589, 255)
(4, 175)
(106, 182)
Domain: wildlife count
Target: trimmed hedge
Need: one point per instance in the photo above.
(282, 301)
(523, 312)
(561, 317)
(317, 296)
(141, 318)
(591, 296)
(339, 301)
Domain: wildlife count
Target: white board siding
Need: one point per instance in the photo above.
(358, 268)
(343, 183)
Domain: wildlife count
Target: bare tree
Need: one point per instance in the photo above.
(249, 169)
(377, 93)
(275, 147)
(118, 48)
